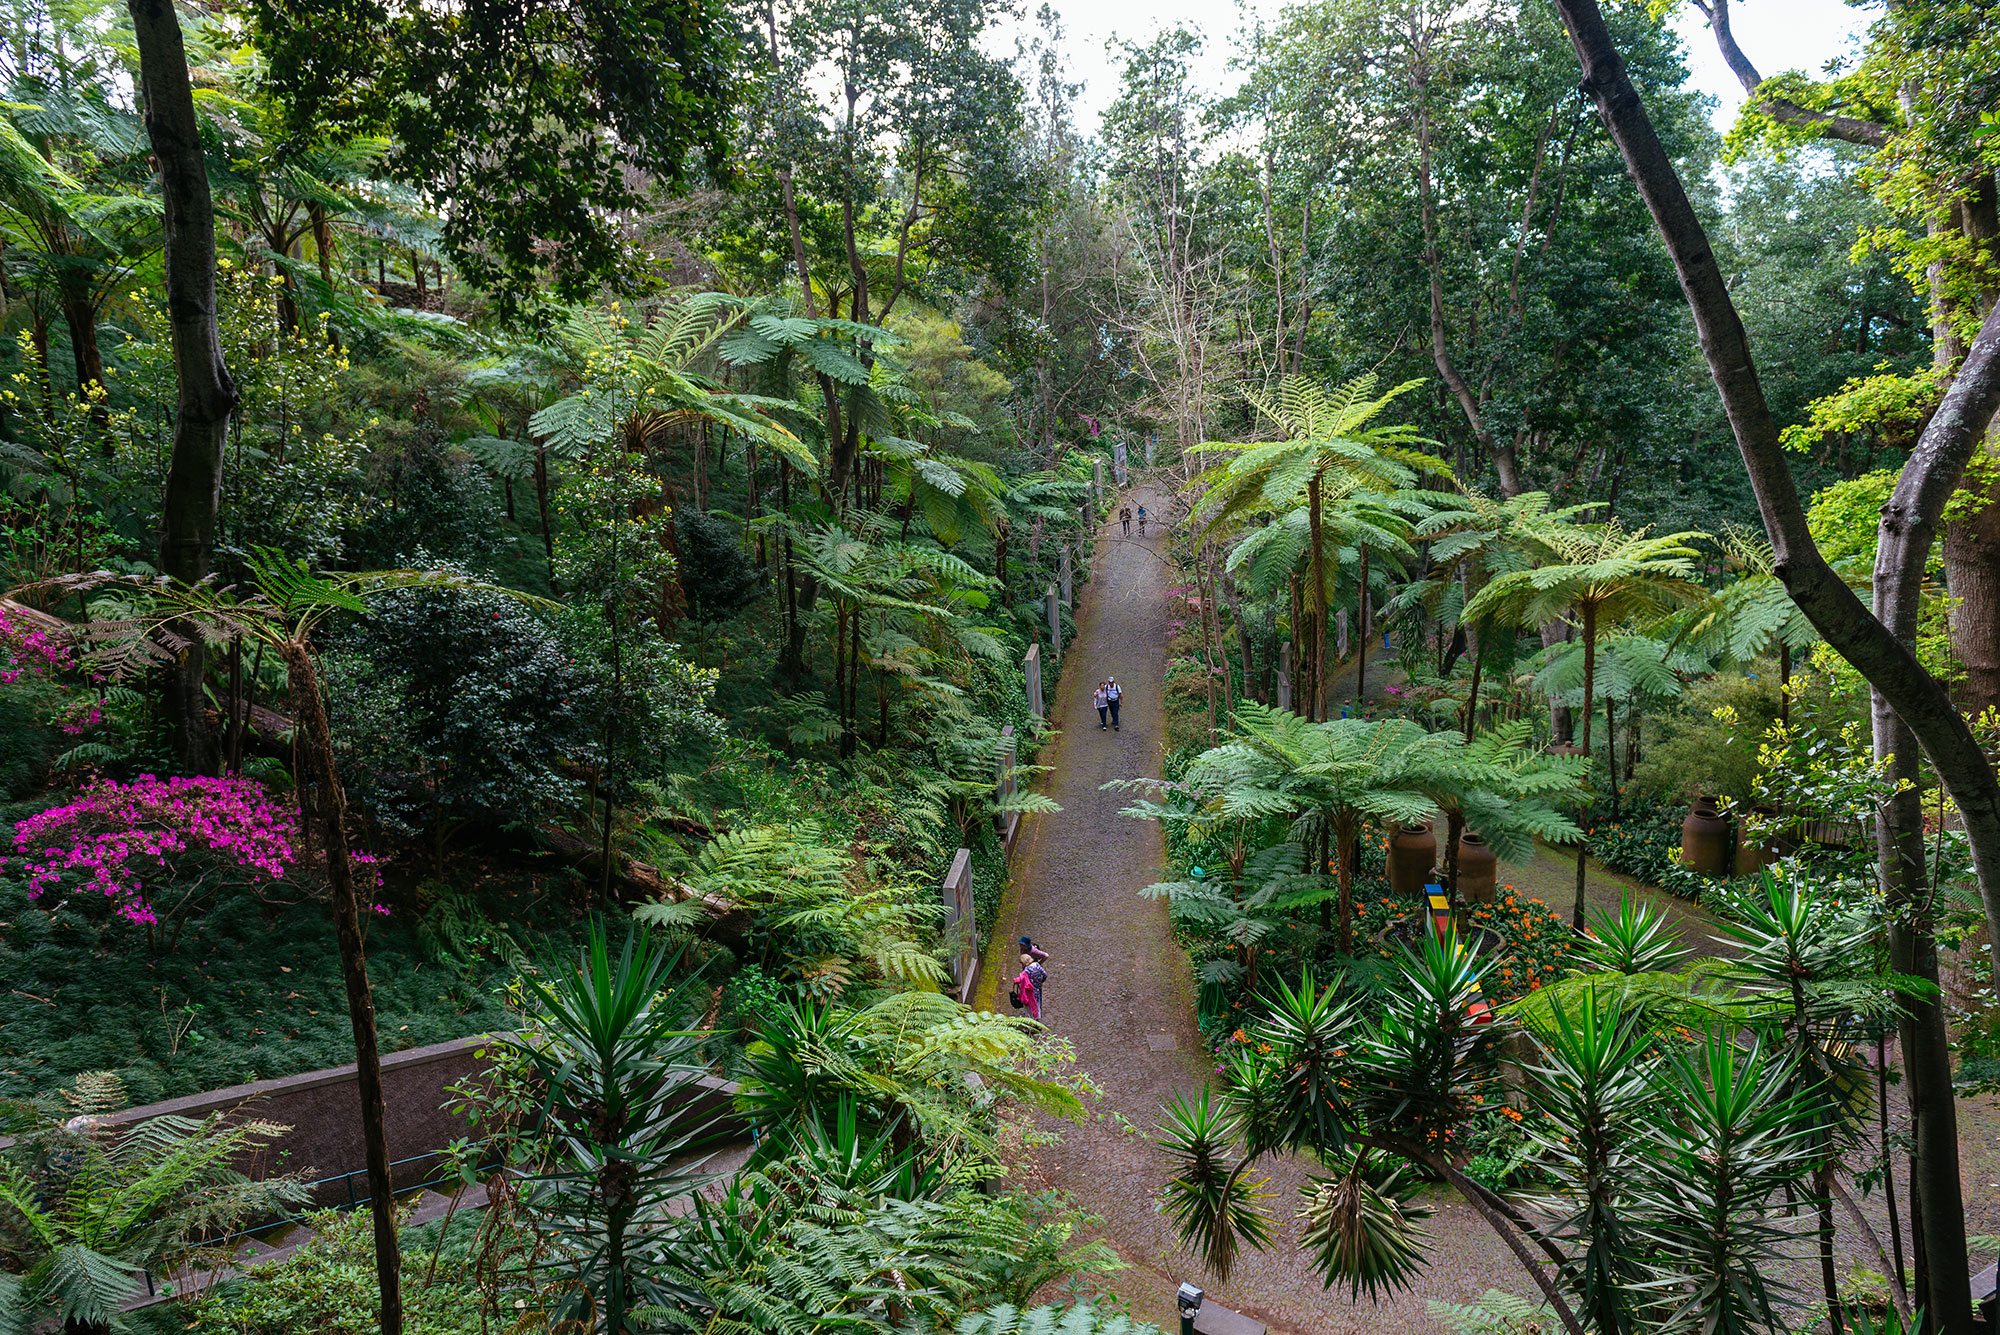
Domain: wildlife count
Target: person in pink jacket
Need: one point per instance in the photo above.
(1026, 984)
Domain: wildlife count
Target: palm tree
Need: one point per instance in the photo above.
(1631, 669)
(1362, 524)
(1600, 573)
(613, 1049)
(1473, 539)
(1328, 779)
(1332, 448)
(1499, 786)
(1746, 617)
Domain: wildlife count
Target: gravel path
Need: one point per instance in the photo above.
(1120, 990)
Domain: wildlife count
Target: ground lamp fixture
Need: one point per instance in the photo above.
(1188, 1299)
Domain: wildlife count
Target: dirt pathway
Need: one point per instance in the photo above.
(1120, 989)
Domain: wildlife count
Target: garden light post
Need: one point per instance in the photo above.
(1188, 1300)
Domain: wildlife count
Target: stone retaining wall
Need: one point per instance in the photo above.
(323, 1108)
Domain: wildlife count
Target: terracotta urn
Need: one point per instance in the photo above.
(1412, 853)
(1476, 865)
(1754, 853)
(1705, 843)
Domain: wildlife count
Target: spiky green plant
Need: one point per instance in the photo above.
(1636, 939)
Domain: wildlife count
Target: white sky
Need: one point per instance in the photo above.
(1776, 34)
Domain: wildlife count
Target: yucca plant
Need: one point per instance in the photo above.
(1594, 1094)
(1730, 1139)
(1636, 939)
(1807, 964)
(612, 1045)
(1363, 1225)
(1212, 1196)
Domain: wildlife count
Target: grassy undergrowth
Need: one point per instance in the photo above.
(252, 989)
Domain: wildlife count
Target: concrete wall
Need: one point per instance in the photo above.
(323, 1108)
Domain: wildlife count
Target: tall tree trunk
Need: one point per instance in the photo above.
(331, 803)
(542, 511)
(80, 316)
(1235, 602)
(205, 393)
(1472, 696)
(1909, 705)
(1589, 688)
(1361, 637)
(322, 242)
(1972, 573)
(1316, 592)
(1611, 752)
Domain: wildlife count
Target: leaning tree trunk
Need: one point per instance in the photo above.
(322, 770)
(1910, 706)
(206, 394)
(1972, 572)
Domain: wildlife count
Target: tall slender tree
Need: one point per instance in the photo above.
(1332, 448)
(1601, 574)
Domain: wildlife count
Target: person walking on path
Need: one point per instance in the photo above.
(1111, 697)
(1102, 705)
(1125, 517)
(1142, 521)
(1026, 986)
(1040, 957)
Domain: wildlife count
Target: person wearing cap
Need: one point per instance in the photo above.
(1111, 694)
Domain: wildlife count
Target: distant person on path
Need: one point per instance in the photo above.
(1111, 697)
(1125, 517)
(1101, 703)
(1040, 958)
(1025, 985)
(1142, 521)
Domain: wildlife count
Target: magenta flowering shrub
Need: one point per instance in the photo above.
(27, 648)
(34, 657)
(121, 839)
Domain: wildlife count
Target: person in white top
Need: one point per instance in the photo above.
(1111, 695)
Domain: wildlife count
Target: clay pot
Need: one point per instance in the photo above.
(1476, 865)
(1753, 855)
(1412, 854)
(1705, 841)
